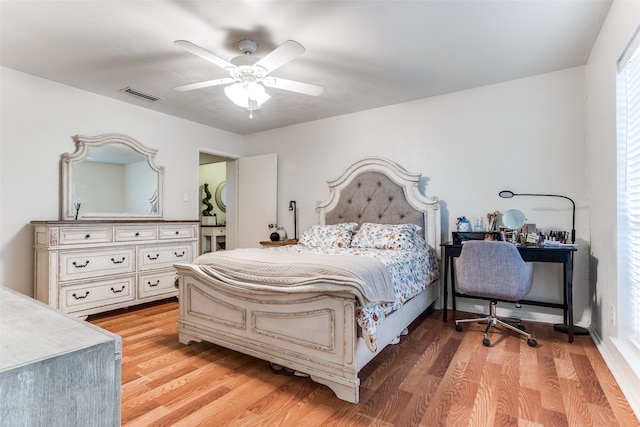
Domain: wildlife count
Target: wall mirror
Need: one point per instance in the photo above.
(111, 176)
(221, 196)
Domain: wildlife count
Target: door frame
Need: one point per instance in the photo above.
(231, 228)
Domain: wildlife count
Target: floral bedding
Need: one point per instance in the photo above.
(411, 272)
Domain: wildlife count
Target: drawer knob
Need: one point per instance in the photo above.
(117, 262)
(86, 236)
(118, 291)
(80, 297)
(153, 285)
(177, 232)
(179, 255)
(152, 258)
(137, 233)
(80, 265)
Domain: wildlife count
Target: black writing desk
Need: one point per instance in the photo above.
(530, 253)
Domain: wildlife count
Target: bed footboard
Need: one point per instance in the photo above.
(310, 332)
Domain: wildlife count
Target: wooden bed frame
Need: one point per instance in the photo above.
(315, 333)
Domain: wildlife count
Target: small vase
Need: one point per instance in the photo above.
(464, 224)
(282, 233)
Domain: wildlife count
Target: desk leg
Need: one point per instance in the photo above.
(565, 283)
(453, 283)
(445, 284)
(569, 296)
(568, 327)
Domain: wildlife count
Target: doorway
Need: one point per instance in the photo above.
(250, 204)
(213, 200)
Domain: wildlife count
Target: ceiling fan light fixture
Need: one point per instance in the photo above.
(256, 92)
(247, 95)
(236, 94)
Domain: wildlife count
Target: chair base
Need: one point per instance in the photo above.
(493, 320)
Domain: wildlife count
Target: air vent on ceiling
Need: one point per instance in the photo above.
(138, 94)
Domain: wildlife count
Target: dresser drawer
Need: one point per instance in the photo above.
(97, 294)
(74, 236)
(178, 232)
(157, 284)
(86, 264)
(132, 234)
(153, 257)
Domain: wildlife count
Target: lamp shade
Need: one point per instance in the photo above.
(247, 95)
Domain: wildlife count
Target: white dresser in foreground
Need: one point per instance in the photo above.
(56, 370)
(87, 267)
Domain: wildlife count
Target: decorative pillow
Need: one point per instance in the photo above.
(389, 236)
(328, 236)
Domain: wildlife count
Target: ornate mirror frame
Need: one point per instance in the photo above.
(83, 146)
(221, 198)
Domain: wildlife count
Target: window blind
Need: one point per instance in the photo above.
(628, 124)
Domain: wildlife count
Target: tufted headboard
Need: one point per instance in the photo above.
(378, 190)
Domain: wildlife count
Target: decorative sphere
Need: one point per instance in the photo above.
(274, 237)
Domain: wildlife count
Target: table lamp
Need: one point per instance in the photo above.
(507, 194)
(293, 207)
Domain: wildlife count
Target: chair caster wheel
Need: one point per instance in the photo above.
(486, 342)
(521, 327)
(458, 328)
(532, 342)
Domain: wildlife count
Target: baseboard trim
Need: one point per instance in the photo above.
(627, 374)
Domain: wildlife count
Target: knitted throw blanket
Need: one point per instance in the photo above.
(266, 270)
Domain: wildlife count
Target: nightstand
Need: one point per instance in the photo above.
(213, 238)
(270, 244)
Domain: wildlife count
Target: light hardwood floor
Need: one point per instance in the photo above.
(434, 377)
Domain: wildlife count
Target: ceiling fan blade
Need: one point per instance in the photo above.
(284, 53)
(293, 86)
(204, 54)
(208, 83)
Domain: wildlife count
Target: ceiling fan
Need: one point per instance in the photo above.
(248, 74)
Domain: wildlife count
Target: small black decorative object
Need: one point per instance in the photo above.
(207, 210)
(274, 236)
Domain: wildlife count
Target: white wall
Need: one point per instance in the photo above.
(621, 23)
(525, 135)
(38, 119)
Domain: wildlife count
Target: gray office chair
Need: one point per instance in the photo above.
(496, 271)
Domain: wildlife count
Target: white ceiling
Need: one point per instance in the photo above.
(366, 54)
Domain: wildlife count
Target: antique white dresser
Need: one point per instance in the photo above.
(87, 267)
